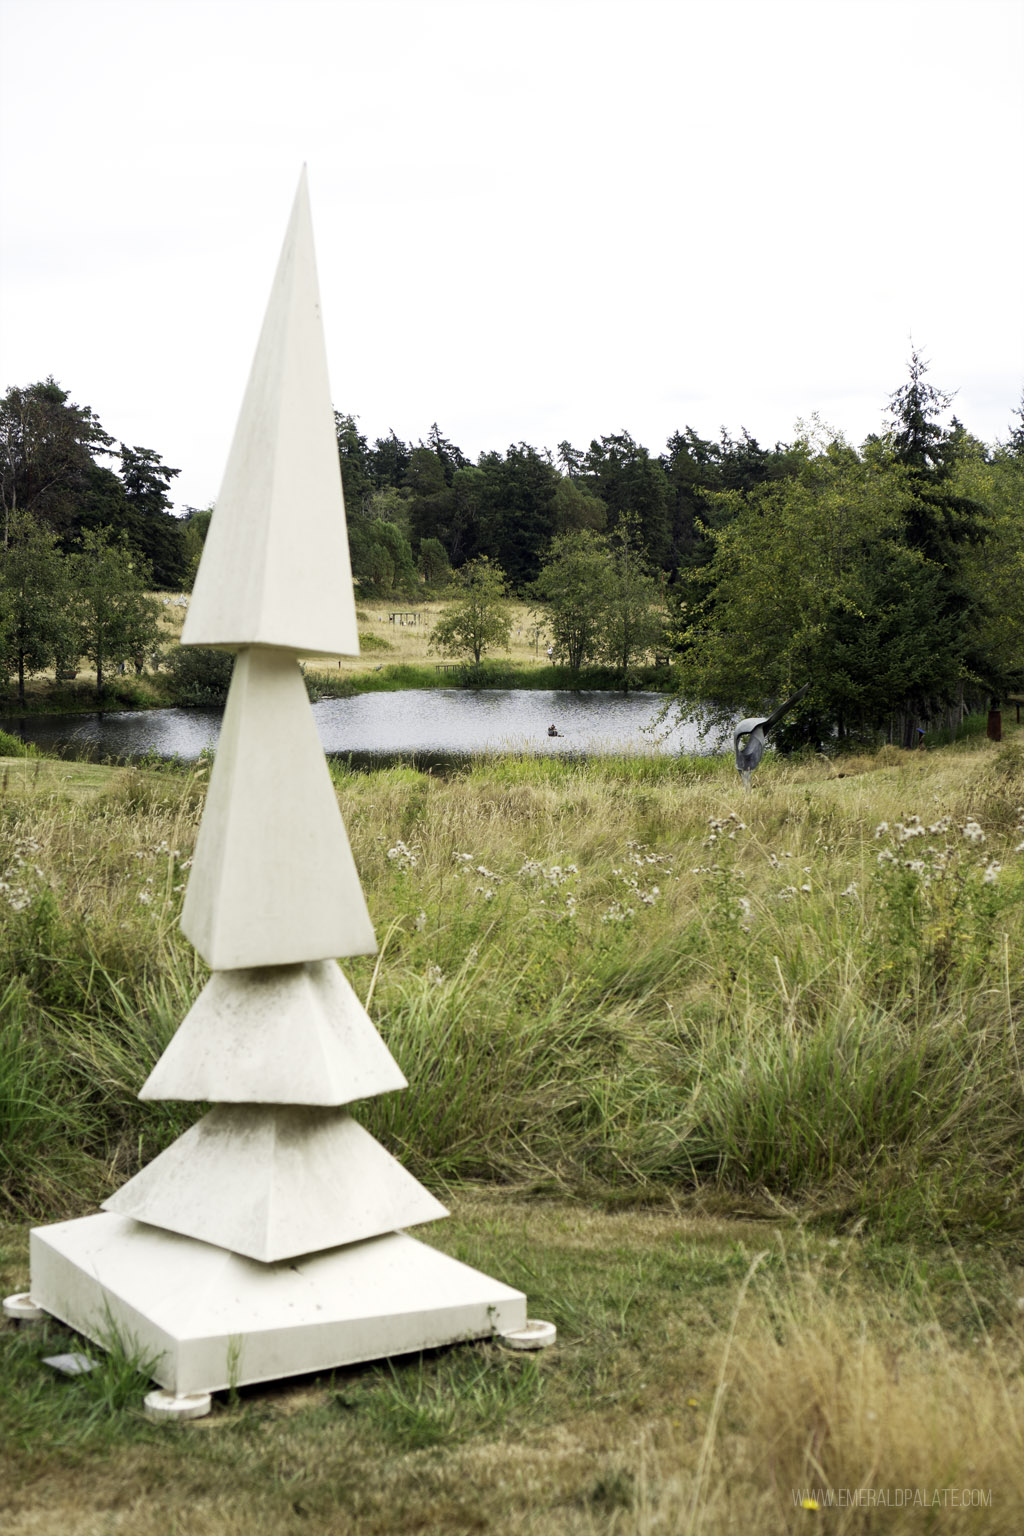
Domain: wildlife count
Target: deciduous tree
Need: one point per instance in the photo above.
(115, 618)
(575, 586)
(34, 622)
(478, 621)
(633, 623)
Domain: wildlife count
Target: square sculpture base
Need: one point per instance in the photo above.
(204, 1318)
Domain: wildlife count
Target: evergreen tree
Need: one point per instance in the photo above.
(152, 529)
(356, 472)
(389, 461)
(517, 509)
(447, 454)
(941, 524)
(48, 447)
(625, 477)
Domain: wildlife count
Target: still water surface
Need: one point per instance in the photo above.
(441, 720)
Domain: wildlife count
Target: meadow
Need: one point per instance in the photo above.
(394, 654)
(730, 1083)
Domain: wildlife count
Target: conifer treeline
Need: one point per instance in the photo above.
(890, 574)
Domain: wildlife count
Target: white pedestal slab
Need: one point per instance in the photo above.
(294, 1034)
(215, 1320)
(273, 1181)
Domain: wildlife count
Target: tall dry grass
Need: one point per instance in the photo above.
(621, 976)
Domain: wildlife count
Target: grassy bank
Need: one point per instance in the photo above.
(336, 683)
(395, 654)
(654, 1027)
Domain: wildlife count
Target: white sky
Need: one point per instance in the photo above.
(535, 219)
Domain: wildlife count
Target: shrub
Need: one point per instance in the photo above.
(13, 746)
(196, 676)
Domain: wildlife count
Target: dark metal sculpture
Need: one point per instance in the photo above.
(749, 755)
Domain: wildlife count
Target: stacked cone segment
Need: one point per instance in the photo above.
(304, 1020)
(273, 880)
(276, 1183)
(275, 568)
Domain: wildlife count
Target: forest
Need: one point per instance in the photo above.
(889, 575)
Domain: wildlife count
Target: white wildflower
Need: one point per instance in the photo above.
(991, 874)
(973, 832)
(421, 922)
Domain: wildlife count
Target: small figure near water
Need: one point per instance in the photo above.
(553, 730)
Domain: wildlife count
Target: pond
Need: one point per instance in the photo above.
(416, 725)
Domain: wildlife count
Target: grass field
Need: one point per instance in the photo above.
(729, 1083)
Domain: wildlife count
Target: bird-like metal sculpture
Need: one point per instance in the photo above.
(750, 753)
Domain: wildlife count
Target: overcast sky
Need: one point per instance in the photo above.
(535, 219)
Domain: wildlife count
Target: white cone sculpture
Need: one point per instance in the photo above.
(265, 1241)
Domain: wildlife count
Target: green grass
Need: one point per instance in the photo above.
(641, 1055)
(626, 979)
(704, 1369)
